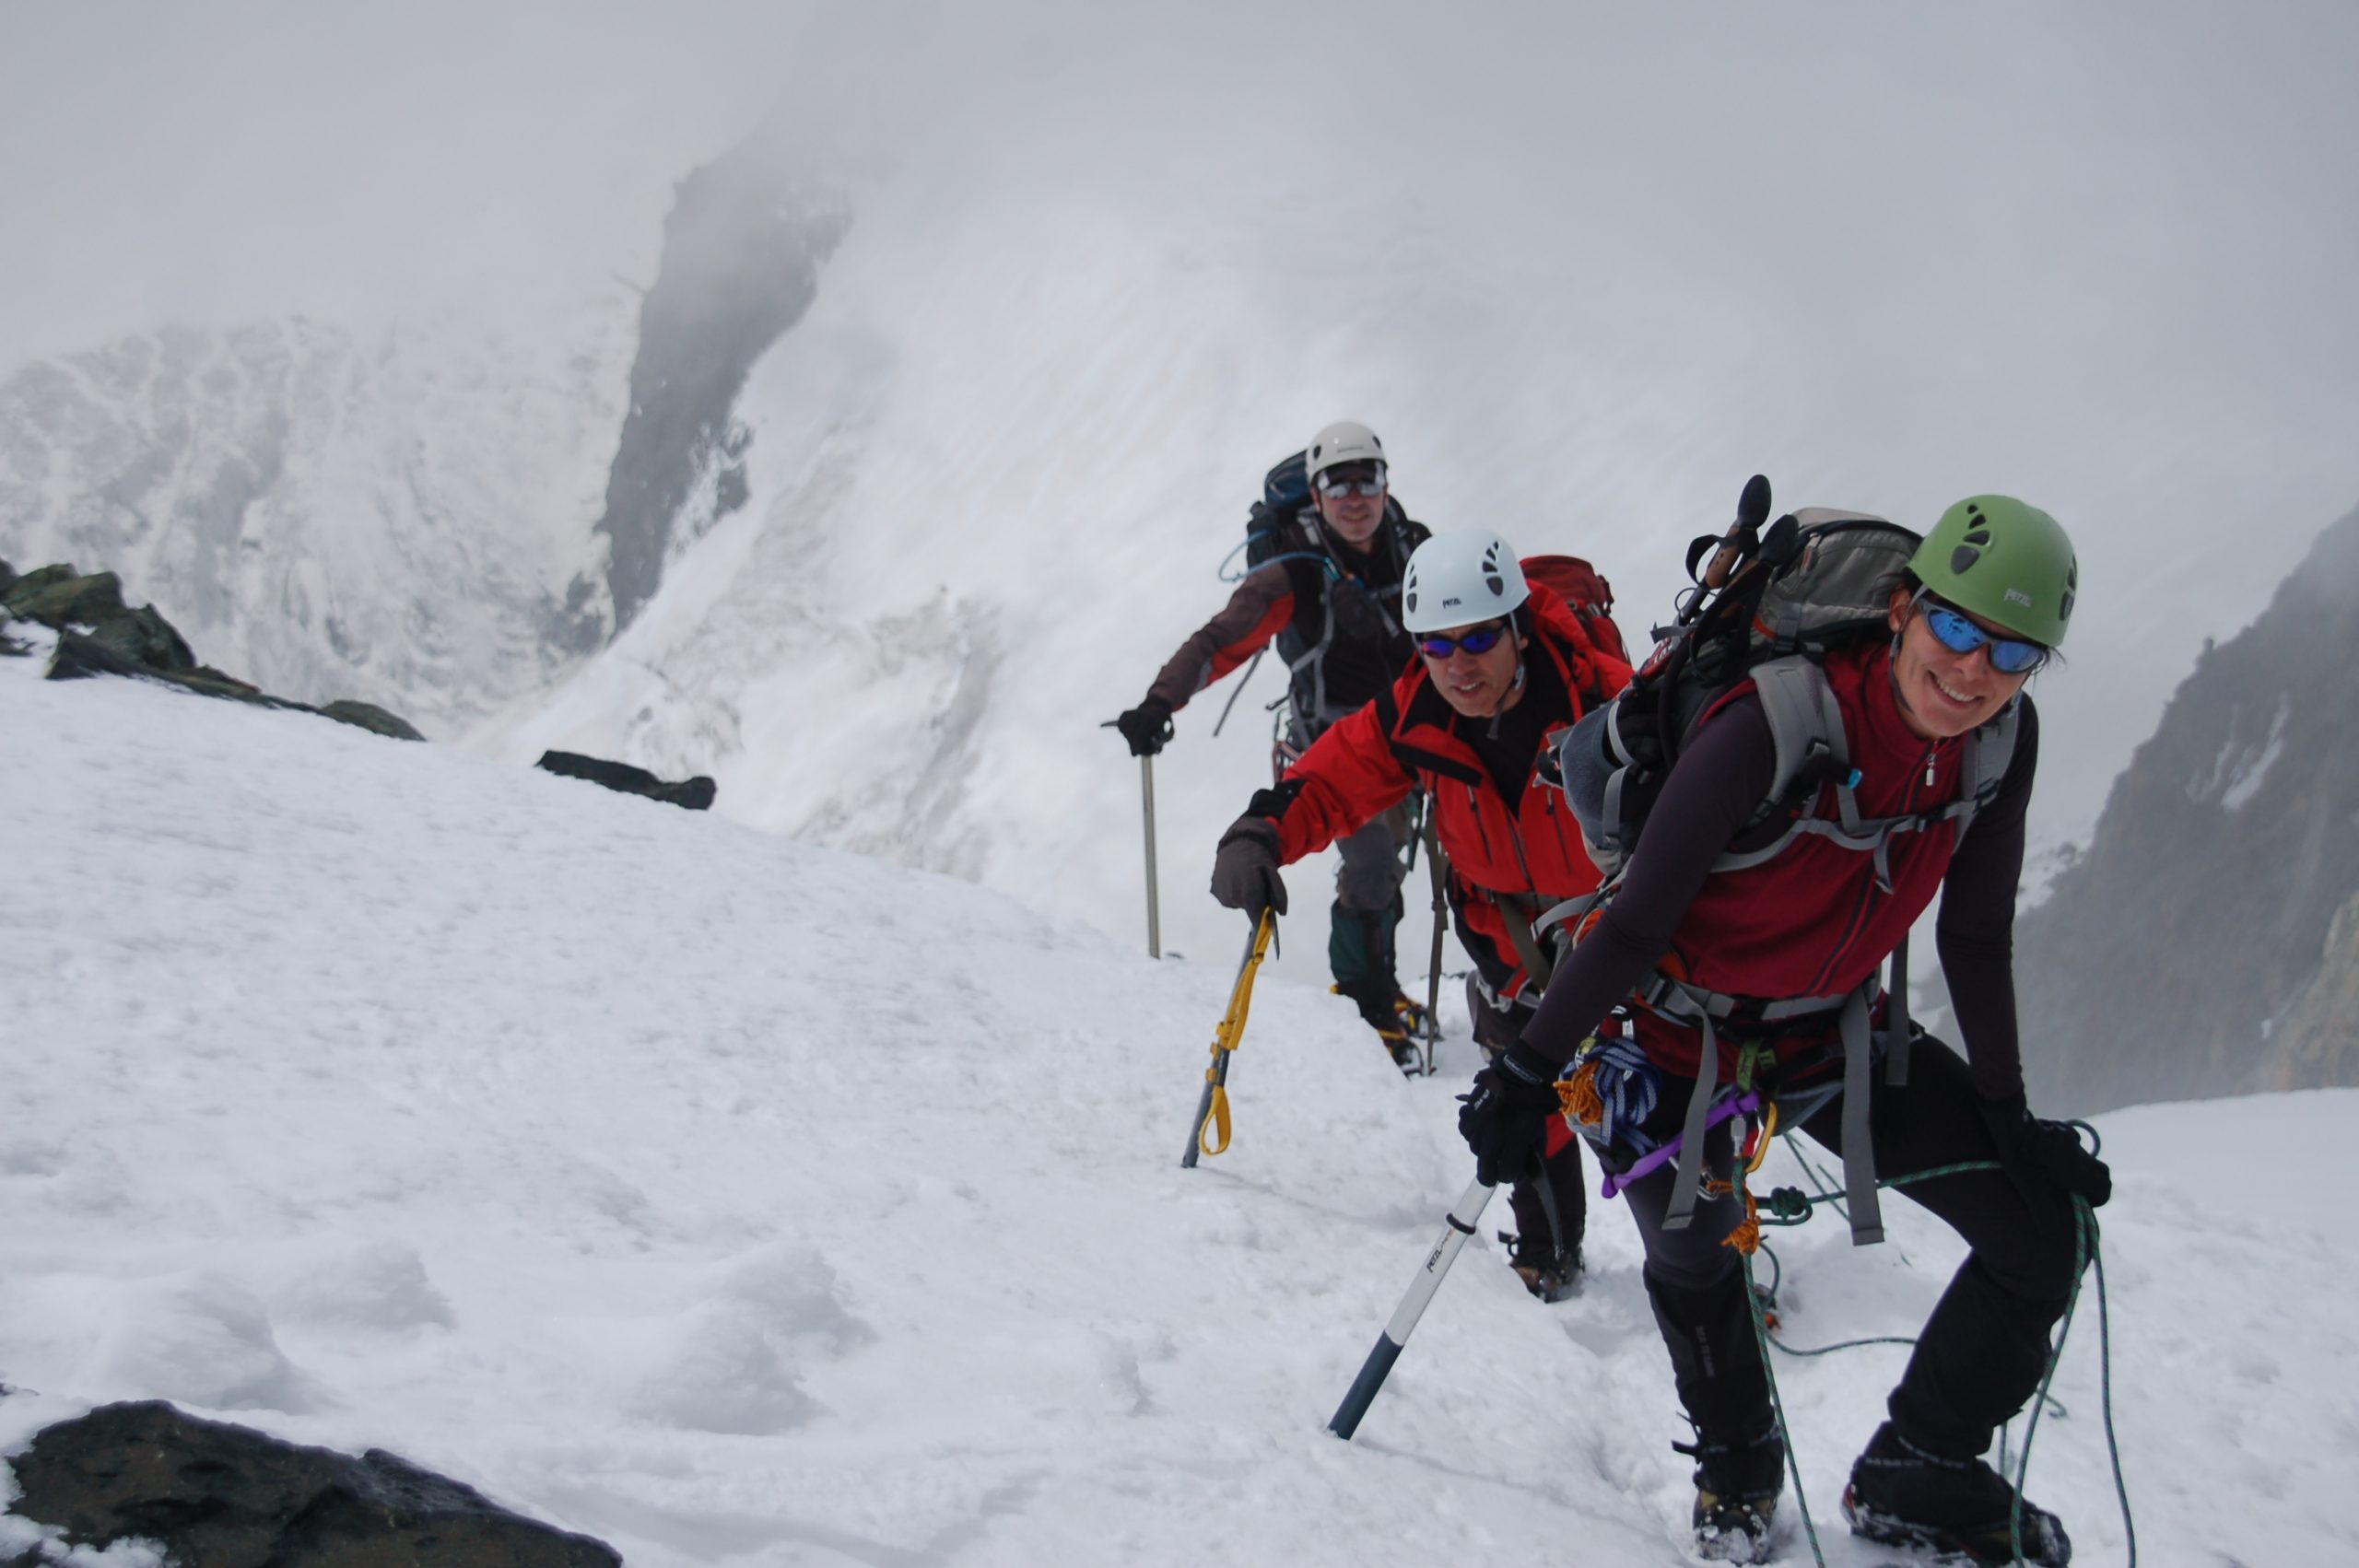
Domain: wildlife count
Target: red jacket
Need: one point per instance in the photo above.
(1410, 735)
(1814, 922)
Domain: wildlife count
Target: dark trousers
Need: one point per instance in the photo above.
(1367, 912)
(1980, 1355)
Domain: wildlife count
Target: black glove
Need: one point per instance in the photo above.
(1245, 871)
(1504, 1118)
(1147, 727)
(2044, 1154)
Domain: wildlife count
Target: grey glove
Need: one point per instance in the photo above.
(1245, 871)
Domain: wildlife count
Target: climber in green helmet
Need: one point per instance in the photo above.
(1749, 940)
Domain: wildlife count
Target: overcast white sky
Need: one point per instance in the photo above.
(209, 160)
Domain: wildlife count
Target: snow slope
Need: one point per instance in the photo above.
(741, 1200)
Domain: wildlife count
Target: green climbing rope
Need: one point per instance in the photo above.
(1792, 1206)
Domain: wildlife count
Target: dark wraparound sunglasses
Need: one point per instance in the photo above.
(2009, 656)
(1362, 482)
(1482, 639)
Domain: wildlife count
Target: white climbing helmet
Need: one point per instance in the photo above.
(1346, 440)
(1459, 577)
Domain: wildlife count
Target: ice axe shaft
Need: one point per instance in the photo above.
(1211, 1106)
(1460, 1224)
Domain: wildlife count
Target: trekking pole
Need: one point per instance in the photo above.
(1440, 872)
(1146, 799)
(1742, 535)
(1212, 1107)
(1373, 1370)
(1154, 904)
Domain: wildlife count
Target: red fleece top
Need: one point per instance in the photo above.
(1812, 921)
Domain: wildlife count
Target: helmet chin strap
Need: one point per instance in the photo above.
(1514, 687)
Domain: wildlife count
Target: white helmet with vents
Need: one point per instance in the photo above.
(1345, 440)
(1459, 579)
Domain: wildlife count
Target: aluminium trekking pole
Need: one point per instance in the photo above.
(1154, 903)
(1212, 1109)
(1373, 1370)
(1147, 798)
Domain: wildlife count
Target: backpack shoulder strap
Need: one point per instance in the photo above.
(1806, 728)
(1805, 722)
(1988, 753)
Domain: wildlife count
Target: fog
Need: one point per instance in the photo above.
(2098, 255)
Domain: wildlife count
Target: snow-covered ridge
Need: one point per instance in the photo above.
(740, 1201)
(400, 516)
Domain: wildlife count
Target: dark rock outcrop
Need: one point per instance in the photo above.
(694, 794)
(369, 717)
(2205, 943)
(214, 1495)
(99, 634)
(741, 248)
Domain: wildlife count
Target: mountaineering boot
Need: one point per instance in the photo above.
(1545, 1272)
(1376, 1003)
(1736, 1495)
(1902, 1496)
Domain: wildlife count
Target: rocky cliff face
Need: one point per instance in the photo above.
(2207, 942)
(741, 248)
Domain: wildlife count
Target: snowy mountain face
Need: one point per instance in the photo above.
(742, 248)
(743, 1202)
(2203, 944)
(401, 517)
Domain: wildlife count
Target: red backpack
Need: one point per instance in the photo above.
(1587, 594)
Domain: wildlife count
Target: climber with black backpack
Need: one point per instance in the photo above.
(1834, 731)
(1510, 655)
(1326, 547)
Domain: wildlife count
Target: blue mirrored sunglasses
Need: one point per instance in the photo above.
(1482, 639)
(2008, 656)
(1364, 482)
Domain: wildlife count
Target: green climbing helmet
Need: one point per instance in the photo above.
(2010, 564)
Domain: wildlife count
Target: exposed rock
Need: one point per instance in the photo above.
(2318, 1045)
(7, 575)
(98, 635)
(694, 794)
(2204, 938)
(146, 637)
(32, 582)
(741, 248)
(214, 1495)
(369, 717)
(79, 656)
(61, 602)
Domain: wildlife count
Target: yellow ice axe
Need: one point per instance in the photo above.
(1212, 1111)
